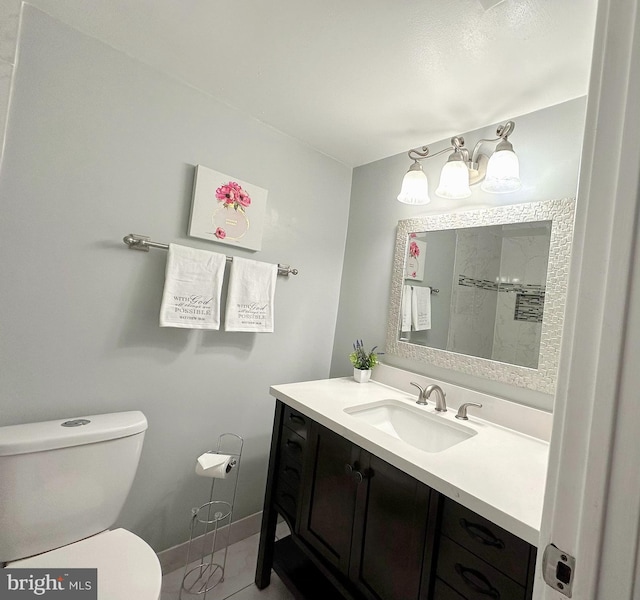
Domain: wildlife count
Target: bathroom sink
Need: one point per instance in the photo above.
(411, 424)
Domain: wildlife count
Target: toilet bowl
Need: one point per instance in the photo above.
(63, 484)
(127, 567)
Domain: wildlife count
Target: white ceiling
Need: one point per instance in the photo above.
(358, 80)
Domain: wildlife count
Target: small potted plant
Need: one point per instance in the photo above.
(363, 361)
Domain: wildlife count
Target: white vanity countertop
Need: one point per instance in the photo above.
(498, 473)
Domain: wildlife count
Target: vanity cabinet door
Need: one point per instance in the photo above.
(329, 495)
(389, 532)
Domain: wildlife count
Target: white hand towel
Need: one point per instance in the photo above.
(406, 308)
(192, 286)
(251, 296)
(421, 308)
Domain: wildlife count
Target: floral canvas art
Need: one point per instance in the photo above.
(227, 210)
(414, 262)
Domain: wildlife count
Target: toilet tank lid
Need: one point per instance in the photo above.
(64, 433)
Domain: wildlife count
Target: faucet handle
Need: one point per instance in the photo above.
(421, 398)
(462, 411)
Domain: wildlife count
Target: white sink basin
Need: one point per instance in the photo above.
(411, 424)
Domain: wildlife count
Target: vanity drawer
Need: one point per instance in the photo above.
(498, 547)
(292, 446)
(286, 500)
(290, 473)
(441, 591)
(295, 421)
(473, 578)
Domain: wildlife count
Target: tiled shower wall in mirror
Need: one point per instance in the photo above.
(498, 292)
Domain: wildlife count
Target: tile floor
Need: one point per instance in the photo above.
(238, 582)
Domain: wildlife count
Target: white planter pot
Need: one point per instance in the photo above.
(361, 375)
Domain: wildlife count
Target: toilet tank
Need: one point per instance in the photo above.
(65, 480)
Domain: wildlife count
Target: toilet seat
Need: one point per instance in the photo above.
(127, 567)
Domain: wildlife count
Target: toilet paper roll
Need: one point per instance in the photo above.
(211, 464)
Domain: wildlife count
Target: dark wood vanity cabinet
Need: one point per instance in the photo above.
(364, 517)
(479, 560)
(364, 530)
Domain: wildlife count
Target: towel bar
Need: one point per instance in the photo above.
(142, 242)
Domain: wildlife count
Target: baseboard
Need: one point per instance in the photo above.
(176, 557)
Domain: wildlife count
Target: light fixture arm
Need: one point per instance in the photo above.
(420, 154)
(460, 152)
(502, 132)
(424, 152)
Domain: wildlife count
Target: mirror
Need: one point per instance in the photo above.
(483, 292)
(477, 290)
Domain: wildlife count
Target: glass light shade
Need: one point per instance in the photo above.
(454, 181)
(415, 187)
(503, 173)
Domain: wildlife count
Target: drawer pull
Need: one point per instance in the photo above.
(481, 534)
(477, 581)
(292, 471)
(294, 445)
(297, 419)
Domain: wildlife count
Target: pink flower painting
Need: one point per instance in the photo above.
(414, 265)
(232, 195)
(227, 210)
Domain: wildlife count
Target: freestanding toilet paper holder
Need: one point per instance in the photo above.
(214, 520)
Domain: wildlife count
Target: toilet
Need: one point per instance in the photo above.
(62, 486)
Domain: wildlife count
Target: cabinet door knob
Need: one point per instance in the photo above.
(357, 475)
(477, 581)
(481, 534)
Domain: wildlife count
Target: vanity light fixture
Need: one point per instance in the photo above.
(415, 186)
(499, 173)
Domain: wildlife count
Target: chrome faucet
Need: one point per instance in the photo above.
(424, 394)
(441, 404)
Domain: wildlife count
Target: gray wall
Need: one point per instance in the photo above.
(98, 146)
(9, 23)
(548, 143)
(438, 269)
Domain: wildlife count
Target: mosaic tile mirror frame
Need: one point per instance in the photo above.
(496, 284)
